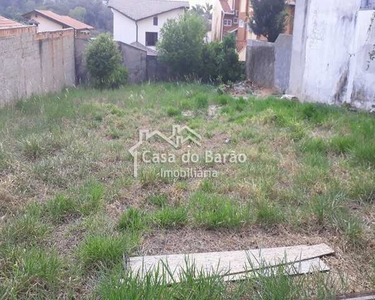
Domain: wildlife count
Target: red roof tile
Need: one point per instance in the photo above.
(64, 20)
(6, 23)
(225, 6)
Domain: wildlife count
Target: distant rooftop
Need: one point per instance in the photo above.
(63, 20)
(141, 9)
(6, 23)
(149, 51)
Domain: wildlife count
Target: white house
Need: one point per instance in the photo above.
(139, 21)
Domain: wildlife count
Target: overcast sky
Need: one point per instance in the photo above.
(202, 2)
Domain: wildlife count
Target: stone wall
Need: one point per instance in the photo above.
(268, 64)
(156, 70)
(260, 63)
(331, 53)
(283, 56)
(135, 60)
(82, 76)
(35, 63)
(141, 65)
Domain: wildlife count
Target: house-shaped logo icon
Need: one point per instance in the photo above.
(180, 136)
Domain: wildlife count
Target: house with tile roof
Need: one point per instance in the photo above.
(7, 23)
(47, 20)
(138, 22)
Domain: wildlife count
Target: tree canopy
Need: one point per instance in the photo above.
(182, 47)
(268, 18)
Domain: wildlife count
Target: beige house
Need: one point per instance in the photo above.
(47, 20)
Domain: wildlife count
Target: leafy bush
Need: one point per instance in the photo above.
(104, 63)
(221, 62)
(182, 47)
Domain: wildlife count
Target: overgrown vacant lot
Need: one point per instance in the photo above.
(70, 206)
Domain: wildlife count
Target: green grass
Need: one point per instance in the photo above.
(133, 220)
(60, 209)
(171, 217)
(159, 200)
(67, 187)
(35, 273)
(268, 213)
(99, 251)
(213, 211)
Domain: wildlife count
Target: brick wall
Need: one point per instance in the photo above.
(35, 63)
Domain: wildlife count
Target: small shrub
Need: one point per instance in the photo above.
(35, 273)
(207, 186)
(326, 206)
(268, 214)
(223, 99)
(90, 197)
(212, 212)
(171, 217)
(133, 220)
(201, 101)
(104, 63)
(149, 176)
(158, 200)
(61, 208)
(365, 153)
(26, 229)
(105, 251)
(317, 145)
(342, 144)
(172, 112)
(351, 226)
(316, 113)
(33, 147)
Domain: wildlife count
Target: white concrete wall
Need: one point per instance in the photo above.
(124, 29)
(217, 21)
(361, 89)
(46, 24)
(147, 25)
(329, 53)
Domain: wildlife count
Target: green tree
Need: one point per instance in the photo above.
(181, 44)
(268, 18)
(221, 62)
(104, 63)
(207, 8)
(78, 13)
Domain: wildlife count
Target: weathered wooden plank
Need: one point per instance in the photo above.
(231, 262)
(297, 268)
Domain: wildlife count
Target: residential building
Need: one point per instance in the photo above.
(140, 21)
(7, 23)
(232, 16)
(47, 20)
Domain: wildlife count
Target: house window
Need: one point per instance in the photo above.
(368, 4)
(156, 21)
(227, 22)
(151, 38)
(235, 20)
